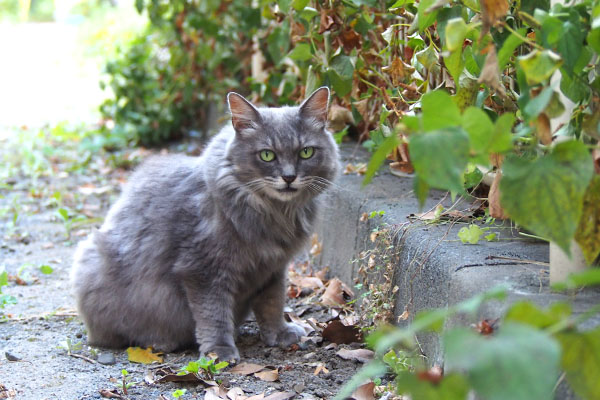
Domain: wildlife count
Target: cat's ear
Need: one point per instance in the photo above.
(315, 106)
(243, 114)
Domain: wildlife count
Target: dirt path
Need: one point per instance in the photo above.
(43, 350)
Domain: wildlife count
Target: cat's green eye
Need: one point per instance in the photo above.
(267, 155)
(307, 152)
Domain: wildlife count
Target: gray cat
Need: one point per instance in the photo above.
(193, 244)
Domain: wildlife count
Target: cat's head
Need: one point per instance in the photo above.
(284, 153)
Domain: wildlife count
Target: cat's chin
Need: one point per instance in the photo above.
(286, 194)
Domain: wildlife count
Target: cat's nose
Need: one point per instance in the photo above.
(289, 178)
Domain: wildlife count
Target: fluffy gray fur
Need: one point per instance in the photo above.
(194, 244)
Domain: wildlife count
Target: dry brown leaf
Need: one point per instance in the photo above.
(358, 168)
(270, 375)
(543, 130)
(280, 396)
(320, 368)
(337, 332)
(398, 70)
(364, 392)
(350, 39)
(339, 118)
(260, 396)
(307, 282)
(315, 245)
(246, 369)
(143, 356)
(215, 393)
(496, 209)
(334, 294)
(490, 74)
(361, 355)
(491, 11)
(236, 393)
(110, 394)
(404, 316)
(308, 328)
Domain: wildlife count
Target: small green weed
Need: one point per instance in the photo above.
(473, 233)
(178, 393)
(5, 299)
(207, 365)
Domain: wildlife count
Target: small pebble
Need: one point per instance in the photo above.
(299, 387)
(11, 357)
(106, 359)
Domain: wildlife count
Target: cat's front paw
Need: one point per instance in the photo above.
(289, 334)
(224, 353)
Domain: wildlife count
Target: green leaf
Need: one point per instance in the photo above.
(455, 63)
(301, 52)
(581, 362)
(491, 237)
(63, 213)
(299, 5)
(588, 234)
(139, 5)
(46, 269)
(340, 74)
(470, 234)
(501, 139)
(535, 106)
(312, 81)
(472, 177)
(593, 37)
(456, 30)
(372, 369)
(439, 111)
(440, 157)
(527, 313)
(570, 43)
(425, 20)
(539, 65)
(379, 156)
(451, 387)
(428, 56)
(546, 195)
(421, 189)
(480, 129)
(588, 277)
(573, 86)
(3, 278)
(509, 46)
(517, 363)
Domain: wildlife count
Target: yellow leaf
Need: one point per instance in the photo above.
(143, 356)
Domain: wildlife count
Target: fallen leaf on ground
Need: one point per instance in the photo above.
(257, 397)
(270, 375)
(143, 356)
(166, 374)
(6, 393)
(236, 393)
(361, 355)
(308, 328)
(315, 245)
(364, 392)
(110, 394)
(359, 169)
(215, 392)
(309, 282)
(280, 396)
(246, 369)
(334, 294)
(337, 332)
(320, 368)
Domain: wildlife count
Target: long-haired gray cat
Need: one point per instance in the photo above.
(193, 244)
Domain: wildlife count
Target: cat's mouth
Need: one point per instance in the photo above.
(288, 189)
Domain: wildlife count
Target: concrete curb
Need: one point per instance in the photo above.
(432, 268)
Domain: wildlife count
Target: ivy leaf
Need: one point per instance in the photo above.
(588, 230)
(439, 111)
(539, 65)
(509, 46)
(428, 56)
(299, 5)
(143, 356)
(340, 74)
(588, 277)
(456, 30)
(500, 367)
(426, 19)
(527, 313)
(575, 89)
(455, 63)
(440, 157)
(470, 234)
(301, 52)
(451, 387)
(379, 156)
(546, 195)
(581, 362)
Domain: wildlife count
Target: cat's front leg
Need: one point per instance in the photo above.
(268, 310)
(212, 309)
